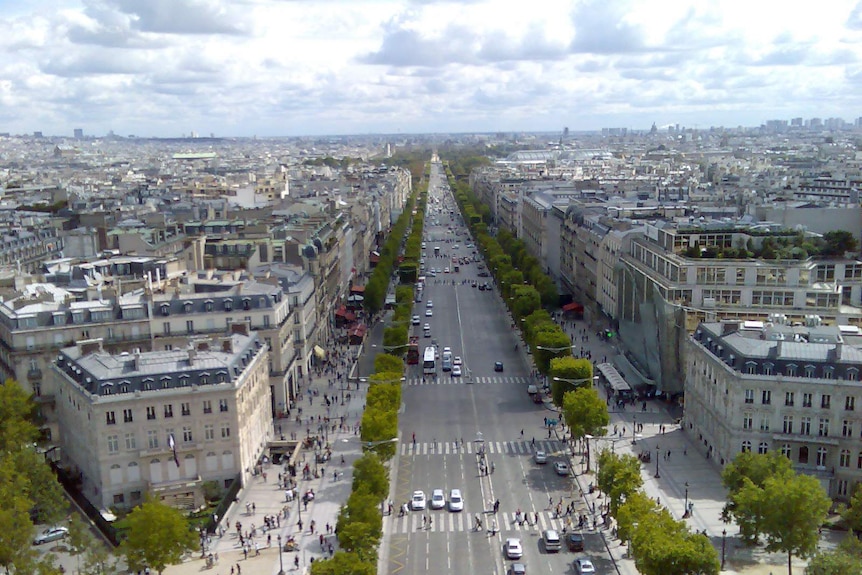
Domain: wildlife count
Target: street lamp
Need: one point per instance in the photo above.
(723, 546)
(634, 429)
(280, 560)
(685, 513)
(657, 476)
(556, 349)
(575, 382)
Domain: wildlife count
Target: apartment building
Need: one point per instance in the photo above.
(769, 386)
(163, 423)
(209, 303)
(25, 249)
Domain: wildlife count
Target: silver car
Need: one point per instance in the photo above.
(51, 534)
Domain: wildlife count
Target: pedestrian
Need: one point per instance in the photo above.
(296, 562)
(238, 569)
(253, 508)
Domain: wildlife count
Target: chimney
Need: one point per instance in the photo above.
(240, 327)
(88, 346)
(839, 347)
(227, 345)
(137, 362)
(192, 354)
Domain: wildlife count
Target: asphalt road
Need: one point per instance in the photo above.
(449, 415)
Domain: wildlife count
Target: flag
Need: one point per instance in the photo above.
(173, 445)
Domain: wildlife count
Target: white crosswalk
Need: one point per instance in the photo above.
(449, 380)
(491, 447)
(444, 521)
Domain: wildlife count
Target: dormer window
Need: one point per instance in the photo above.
(228, 305)
(187, 307)
(166, 309)
(246, 303)
(208, 305)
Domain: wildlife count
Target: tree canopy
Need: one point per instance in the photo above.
(158, 536)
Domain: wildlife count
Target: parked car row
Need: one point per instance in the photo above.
(438, 500)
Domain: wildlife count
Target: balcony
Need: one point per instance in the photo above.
(34, 374)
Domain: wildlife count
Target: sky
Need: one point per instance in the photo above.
(167, 68)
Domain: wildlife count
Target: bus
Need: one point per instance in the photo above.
(413, 350)
(429, 361)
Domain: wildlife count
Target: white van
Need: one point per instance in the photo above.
(552, 541)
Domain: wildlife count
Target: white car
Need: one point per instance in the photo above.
(561, 468)
(50, 534)
(540, 457)
(512, 548)
(438, 500)
(457, 360)
(446, 270)
(426, 326)
(456, 502)
(418, 500)
(456, 371)
(429, 304)
(429, 312)
(584, 566)
(447, 350)
(416, 320)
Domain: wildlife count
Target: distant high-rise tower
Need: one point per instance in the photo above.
(37, 134)
(566, 132)
(79, 133)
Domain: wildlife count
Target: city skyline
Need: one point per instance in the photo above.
(167, 68)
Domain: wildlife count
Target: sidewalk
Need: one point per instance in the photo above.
(268, 499)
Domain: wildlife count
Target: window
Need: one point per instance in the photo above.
(131, 442)
(209, 431)
(828, 372)
(746, 446)
(127, 416)
(803, 455)
(222, 405)
(788, 398)
(266, 321)
(762, 447)
(809, 371)
(849, 403)
(785, 450)
(790, 370)
(767, 368)
(844, 458)
(749, 396)
(187, 307)
(847, 428)
(187, 434)
(852, 374)
(823, 428)
(119, 499)
(764, 424)
(807, 399)
(228, 305)
(169, 410)
(825, 401)
(152, 439)
(166, 328)
(225, 431)
(747, 421)
(822, 454)
(841, 488)
(805, 427)
(113, 444)
(190, 326)
(788, 424)
(151, 412)
(766, 397)
(751, 368)
(166, 309)
(859, 461)
(110, 419)
(208, 406)
(208, 305)
(185, 409)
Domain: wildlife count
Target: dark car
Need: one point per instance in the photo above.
(575, 541)
(498, 366)
(483, 274)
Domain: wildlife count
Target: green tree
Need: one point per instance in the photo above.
(158, 536)
(526, 300)
(572, 373)
(548, 345)
(635, 509)
(586, 414)
(846, 559)
(619, 476)
(380, 425)
(787, 510)
(344, 563)
(666, 547)
(838, 243)
(97, 559)
(387, 363)
(403, 294)
(755, 468)
(395, 339)
(369, 474)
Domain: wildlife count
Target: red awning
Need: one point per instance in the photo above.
(358, 331)
(341, 311)
(357, 289)
(350, 316)
(574, 306)
(374, 258)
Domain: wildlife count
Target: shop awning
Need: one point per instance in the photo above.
(574, 306)
(319, 352)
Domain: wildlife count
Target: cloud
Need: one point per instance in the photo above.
(601, 27)
(854, 20)
(182, 16)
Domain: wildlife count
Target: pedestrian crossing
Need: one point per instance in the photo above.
(550, 447)
(449, 380)
(444, 521)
